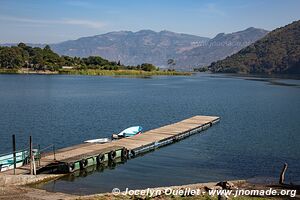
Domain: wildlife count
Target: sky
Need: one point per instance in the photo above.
(52, 21)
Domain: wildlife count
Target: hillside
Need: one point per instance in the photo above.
(220, 47)
(278, 52)
(131, 48)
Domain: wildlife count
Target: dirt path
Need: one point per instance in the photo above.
(28, 193)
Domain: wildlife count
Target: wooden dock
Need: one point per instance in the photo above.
(83, 155)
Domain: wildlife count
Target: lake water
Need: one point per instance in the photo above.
(259, 128)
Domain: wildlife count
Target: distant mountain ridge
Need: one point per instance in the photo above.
(147, 46)
(220, 47)
(277, 52)
(130, 48)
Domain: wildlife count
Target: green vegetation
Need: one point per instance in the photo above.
(122, 72)
(201, 69)
(9, 71)
(278, 52)
(36, 58)
(26, 59)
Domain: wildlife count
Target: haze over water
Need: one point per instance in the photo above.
(258, 131)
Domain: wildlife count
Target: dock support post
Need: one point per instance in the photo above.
(54, 152)
(30, 154)
(14, 152)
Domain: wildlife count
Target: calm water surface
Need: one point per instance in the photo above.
(258, 131)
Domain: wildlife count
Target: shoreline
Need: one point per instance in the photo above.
(26, 192)
(96, 72)
(29, 192)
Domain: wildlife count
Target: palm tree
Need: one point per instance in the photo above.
(171, 63)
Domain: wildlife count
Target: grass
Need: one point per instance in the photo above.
(25, 71)
(9, 71)
(98, 72)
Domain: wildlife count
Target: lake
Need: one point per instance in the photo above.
(259, 128)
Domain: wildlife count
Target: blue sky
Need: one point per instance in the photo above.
(50, 21)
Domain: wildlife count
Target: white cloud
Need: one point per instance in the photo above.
(79, 22)
(92, 24)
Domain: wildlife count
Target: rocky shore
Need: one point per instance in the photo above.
(18, 191)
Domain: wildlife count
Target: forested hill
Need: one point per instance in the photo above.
(278, 52)
(35, 58)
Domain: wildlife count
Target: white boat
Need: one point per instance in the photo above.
(100, 140)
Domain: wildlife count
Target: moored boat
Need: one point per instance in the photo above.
(100, 140)
(128, 132)
(22, 157)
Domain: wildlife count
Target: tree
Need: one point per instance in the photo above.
(38, 61)
(47, 48)
(95, 60)
(22, 45)
(171, 63)
(147, 67)
(12, 57)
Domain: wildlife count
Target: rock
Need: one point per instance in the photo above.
(226, 185)
(212, 188)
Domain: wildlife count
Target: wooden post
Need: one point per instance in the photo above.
(39, 154)
(30, 154)
(54, 152)
(34, 167)
(14, 152)
(282, 174)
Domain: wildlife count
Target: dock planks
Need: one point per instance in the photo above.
(141, 141)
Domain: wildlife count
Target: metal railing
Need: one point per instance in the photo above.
(43, 151)
(21, 157)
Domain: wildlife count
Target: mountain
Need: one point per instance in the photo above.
(130, 48)
(278, 52)
(219, 47)
(146, 46)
